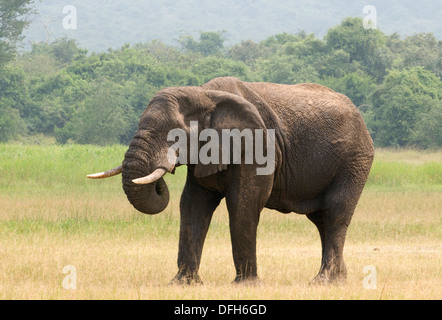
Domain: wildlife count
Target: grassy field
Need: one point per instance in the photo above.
(51, 216)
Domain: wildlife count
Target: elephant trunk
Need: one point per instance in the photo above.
(149, 198)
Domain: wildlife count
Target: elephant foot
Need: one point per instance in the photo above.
(248, 281)
(327, 279)
(185, 279)
(331, 273)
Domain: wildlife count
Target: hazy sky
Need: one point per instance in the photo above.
(101, 24)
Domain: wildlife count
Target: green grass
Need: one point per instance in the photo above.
(53, 169)
(52, 216)
(59, 170)
(406, 170)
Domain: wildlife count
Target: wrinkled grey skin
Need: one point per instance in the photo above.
(323, 157)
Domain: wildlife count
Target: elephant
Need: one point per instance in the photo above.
(323, 154)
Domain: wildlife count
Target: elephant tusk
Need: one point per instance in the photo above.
(156, 175)
(107, 174)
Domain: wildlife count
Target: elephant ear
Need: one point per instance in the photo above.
(230, 112)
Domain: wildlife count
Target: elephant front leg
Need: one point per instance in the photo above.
(196, 206)
(243, 229)
(245, 202)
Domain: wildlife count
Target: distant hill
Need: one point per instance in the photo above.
(112, 23)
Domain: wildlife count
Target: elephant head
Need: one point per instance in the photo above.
(148, 158)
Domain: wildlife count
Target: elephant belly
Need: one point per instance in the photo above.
(298, 206)
(302, 194)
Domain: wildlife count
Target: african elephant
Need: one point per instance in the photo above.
(323, 155)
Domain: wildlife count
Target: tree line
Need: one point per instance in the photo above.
(62, 90)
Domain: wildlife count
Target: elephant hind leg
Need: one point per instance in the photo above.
(332, 222)
(332, 235)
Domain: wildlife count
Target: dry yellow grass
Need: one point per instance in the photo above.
(121, 254)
